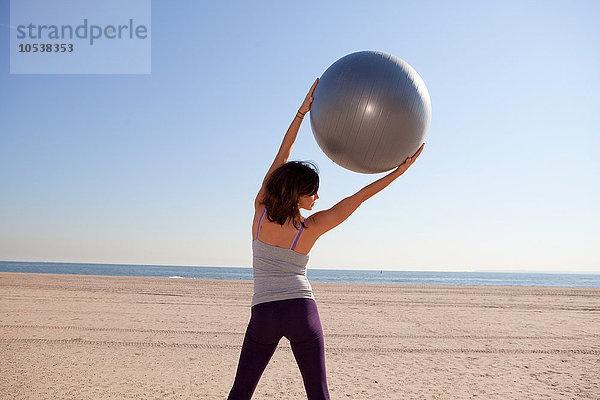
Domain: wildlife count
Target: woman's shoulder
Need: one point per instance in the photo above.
(318, 223)
(259, 200)
(259, 208)
(310, 221)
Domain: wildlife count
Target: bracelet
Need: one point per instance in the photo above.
(301, 116)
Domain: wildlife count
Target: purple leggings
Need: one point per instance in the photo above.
(296, 319)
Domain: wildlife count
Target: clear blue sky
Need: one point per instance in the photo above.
(163, 168)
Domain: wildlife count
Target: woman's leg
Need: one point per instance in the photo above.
(303, 329)
(260, 342)
(253, 361)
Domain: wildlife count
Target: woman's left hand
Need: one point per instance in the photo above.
(305, 107)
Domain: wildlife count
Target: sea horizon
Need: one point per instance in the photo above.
(512, 271)
(359, 276)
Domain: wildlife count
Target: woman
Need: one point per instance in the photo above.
(283, 303)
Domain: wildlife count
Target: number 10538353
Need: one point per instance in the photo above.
(46, 48)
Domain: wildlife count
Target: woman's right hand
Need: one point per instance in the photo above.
(408, 162)
(305, 107)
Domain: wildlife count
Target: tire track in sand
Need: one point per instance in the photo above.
(328, 349)
(331, 335)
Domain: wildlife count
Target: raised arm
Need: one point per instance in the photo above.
(324, 221)
(288, 140)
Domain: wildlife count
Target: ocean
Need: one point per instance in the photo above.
(314, 275)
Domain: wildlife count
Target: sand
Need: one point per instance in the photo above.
(91, 337)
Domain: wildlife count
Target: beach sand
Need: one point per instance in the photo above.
(91, 337)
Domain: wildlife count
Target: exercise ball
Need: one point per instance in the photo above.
(370, 111)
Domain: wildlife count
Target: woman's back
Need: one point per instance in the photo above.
(284, 235)
(279, 272)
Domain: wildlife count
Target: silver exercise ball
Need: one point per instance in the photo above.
(370, 111)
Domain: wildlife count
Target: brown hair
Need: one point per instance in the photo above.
(285, 186)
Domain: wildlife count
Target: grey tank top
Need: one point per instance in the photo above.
(279, 273)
